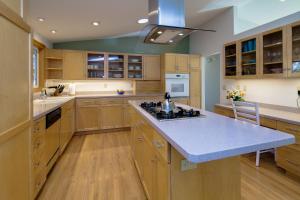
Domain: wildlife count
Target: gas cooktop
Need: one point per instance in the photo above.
(154, 108)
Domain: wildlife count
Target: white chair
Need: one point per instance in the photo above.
(249, 112)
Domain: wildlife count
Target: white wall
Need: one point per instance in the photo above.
(273, 91)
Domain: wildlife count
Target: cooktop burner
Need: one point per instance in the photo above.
(154, 108)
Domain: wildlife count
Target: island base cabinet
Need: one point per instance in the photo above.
(212, 180)
(87, 118)
(162, 175)
(112, 116)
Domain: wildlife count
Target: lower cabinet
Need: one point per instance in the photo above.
(87, 117)
(112, 116)
(67, 125)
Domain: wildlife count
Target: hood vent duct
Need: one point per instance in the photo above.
(167, 22)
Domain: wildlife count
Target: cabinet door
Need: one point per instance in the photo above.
(152, 67)
(148, 169)
(138, 146)
(195, 87)
(87, 118)
(170, 63)
(65, 130)
(161, 179)
(74, 65)
(112, 116)
(293, 49)
(184, 101)
(182, 63)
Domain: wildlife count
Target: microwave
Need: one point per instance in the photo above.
(178, 84)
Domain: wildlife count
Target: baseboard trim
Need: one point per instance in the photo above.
(102, 131)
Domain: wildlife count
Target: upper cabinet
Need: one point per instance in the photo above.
(230, 60)
(273, 55)
(293, 44)
(176, 63)
(54, 64)
(135, 67)
(74, 65)
(248, 52)
(116, 66)
(152, 67)
(95, 65)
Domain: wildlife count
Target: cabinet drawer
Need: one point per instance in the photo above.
(288, 159)
(39, 126)
(291, 129)
(38, 182)
(161, 145)
(112, 101)
(85, 102)
(269, 123)
(224, 112)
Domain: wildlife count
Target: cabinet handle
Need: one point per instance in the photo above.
(37, 145)
(36, 129)
(140, 139)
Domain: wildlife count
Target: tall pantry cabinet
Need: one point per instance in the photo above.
(15, 102)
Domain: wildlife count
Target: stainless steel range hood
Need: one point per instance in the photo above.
(166, 22)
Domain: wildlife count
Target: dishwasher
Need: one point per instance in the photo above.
(52, 136)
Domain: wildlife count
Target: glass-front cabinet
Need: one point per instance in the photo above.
(274, 53)
(293, 34)
(95, 65)
(116, 66)
(135, 67)
(230, 60)
(249, 57)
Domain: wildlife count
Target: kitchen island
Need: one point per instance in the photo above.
(195, 158)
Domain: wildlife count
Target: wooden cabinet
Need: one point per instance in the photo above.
(248, 62)
(152, 67)
(161, 179)
(184, 101)
(112, 116)
(273, 53)
(96, 65)
(116, 66)
(195, 81)
(87, 115)
(223, 111)
(176, 63)
(15, 106)
(293, 49)
(135, 67)
(54, 64)
(74, 65)
(67, 124)
(230, 53)
(38, 162)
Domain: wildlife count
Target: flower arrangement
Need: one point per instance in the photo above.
(236, 95)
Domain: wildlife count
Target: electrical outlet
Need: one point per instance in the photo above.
(187, 165)
(224, 87)
(105, 85)
(238, 87)
(245, 88)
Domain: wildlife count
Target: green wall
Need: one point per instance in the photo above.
(125, 45)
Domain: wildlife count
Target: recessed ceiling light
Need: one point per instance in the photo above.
(181, 34)
(282, 0)
(143, 21)
(152, 40)
(41, 19)
(159, 32)
(171, 41)
(53, 31)
(95, 23)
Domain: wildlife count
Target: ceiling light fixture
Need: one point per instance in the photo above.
(143, 21)
(53, 31)
(181, 34)
(159, 32)
(282, 0)
(41, 19)
(95, 23)
(171, 41)
(152, 40)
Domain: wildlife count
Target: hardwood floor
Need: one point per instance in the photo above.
(99, 167)
(95, 167)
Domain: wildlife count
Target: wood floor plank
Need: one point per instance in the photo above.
(100, 167)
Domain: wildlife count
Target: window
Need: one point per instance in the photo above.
(35, 60)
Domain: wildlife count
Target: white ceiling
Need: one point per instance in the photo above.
(72, 18)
